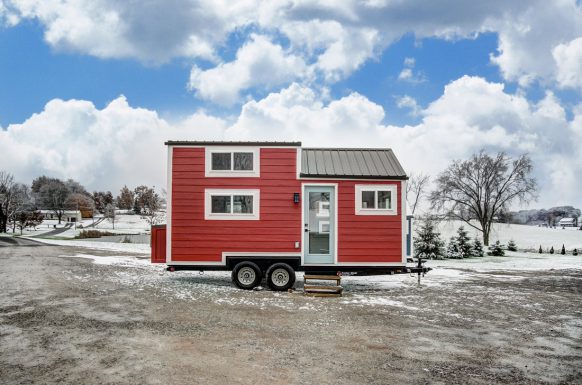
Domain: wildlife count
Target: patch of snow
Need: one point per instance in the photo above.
(514, 261)
(137, 248)
(526, 237)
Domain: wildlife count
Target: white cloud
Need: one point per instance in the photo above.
(410, 103)
(568, 59)
(407, 74)
(258, 63)
(119, 144)
(333, 40)
(527, 38)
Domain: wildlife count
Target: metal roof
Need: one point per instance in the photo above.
(219, 143)
(357, 163)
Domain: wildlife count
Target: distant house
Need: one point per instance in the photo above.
(68, 215)
(568, 222)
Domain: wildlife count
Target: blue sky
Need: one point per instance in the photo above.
(446, 78)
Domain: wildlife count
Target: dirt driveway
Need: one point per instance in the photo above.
(70, 315)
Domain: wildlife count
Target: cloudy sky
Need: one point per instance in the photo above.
(90, 89)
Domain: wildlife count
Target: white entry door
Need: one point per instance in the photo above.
(319, 213)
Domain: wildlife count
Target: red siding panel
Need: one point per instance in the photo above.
(361, 239)
(158, 243)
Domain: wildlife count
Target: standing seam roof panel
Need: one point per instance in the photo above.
(355, 163)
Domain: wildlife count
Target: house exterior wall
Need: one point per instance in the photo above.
(361, 238)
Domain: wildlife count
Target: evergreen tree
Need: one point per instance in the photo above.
(478, 248)
(575, 252)
(540, 250)
(552, 250)
(496, 250)
(453, 249)
(563, 252)
(464, 243)
(427, 242)
(511, 246)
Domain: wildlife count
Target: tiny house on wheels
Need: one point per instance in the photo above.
(268, 209)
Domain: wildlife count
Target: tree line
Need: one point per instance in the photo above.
(21, 204)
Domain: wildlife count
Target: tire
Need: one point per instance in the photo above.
(246, 275)
(280, 277)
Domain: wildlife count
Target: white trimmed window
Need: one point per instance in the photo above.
(376, 200)
(223, 204)
(232, 162)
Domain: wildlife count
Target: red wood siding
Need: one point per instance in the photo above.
(158, 244)
(196, 239)
(361, 238)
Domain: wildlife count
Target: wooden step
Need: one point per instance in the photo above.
(324, 294)
(337, 289)
(323, 277)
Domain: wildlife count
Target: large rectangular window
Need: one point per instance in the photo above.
(223, 204)
(376, 200)
(232, 162)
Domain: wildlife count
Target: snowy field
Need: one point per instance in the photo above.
(526, 237)
(124, 224)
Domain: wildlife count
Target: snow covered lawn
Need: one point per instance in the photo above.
(526, 237)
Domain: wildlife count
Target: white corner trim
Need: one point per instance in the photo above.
(169, 206)
(404, 221)
(208, 215)
(359, 188)
(209, 173)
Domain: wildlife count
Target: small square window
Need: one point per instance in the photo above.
(376, 199)
(221, 160)
(243, 161)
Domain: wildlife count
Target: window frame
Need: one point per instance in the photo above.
(393, 210)
(255, 172)
(232, 216)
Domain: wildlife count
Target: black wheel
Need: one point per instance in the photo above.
(246, 275)
(280, 276)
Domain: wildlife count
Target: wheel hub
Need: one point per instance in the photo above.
(280, 277)
(246, 275)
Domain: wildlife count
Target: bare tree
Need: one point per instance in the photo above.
(478, 189)
(125, 199)
(110, 213)
(148, 204)
(416, 189)
(53, 196)
(6, 196)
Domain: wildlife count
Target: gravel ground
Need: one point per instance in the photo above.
(70, 315)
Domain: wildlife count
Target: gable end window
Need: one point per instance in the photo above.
(224, 204)
(376, 200)
(232, 162)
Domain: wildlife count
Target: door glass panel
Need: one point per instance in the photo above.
(384, 199)
(319, 206)
(368, 200)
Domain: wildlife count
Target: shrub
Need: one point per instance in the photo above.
(464, 243)
(453, 249)
(575, 252)
(511, 246)
(552, 250)
(540, 250)
(478, 248)
(496, 250)
(427, 241)
(92, 234)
